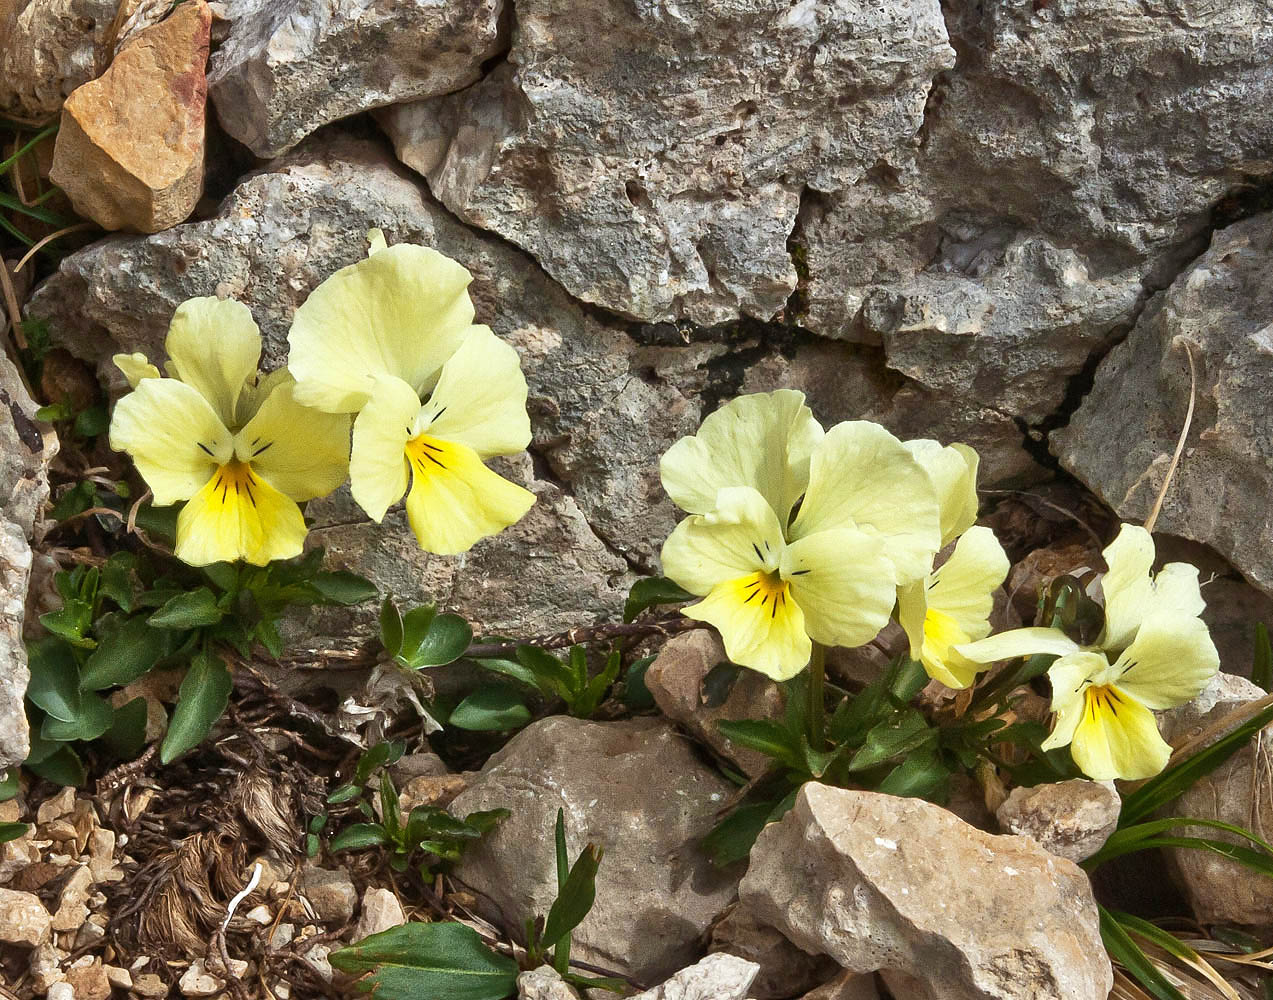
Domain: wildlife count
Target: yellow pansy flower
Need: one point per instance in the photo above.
(952, 605)
(240, 449)
(796, 536)
(380, 336)
(1154, 652)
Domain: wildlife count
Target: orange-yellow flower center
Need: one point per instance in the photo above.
(1101, 699)
(766, 590)
(427, 454)
(234, 482)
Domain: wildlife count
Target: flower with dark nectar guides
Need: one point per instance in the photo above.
(1153, 653)
(952, 604)
(237, 446)
(796, 535)
(392, 339)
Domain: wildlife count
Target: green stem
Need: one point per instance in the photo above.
(817, 696)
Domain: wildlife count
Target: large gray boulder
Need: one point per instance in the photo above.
(288, 67)
(652, 156)
(634, 788)
(942, 910)
(1121, 439)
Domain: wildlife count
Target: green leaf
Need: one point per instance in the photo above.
(595, 690)
(1132, 958)
(390, 810)
(910, 679)
(79, 498)
(267, 635)
(63, 767)
(1171, 783)
(650, 592)
(390, 627)
(551, 675)
(124, 655)
(1132, 838)
(420, 961)
(919, 776)
(415, 626)
(485, 820)
(1262, 664)
(192, 609)
(70, 621)
(344, 793)
(1256, 861)
(343, 588)
(636, 695)
(904, 732)
(360, 836)
(127, 734)
(491, 709)
(770, 738)
(117, 579)
(204, 693)
(561, 948)
(575, 898)
(12, 831)
(91, 422)
(9, 785)
(446, 640)
(55, 679)
(93, 719)
(380, 755)
(159, 521)
(510, 668)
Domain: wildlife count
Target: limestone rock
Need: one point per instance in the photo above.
(26, 449)
(676, 680)
(1121, 439)
(89, 981)
(845, 986)
(716, 977)
(330, 893)
(1237, 792)
(544, 984)
(23, 919)
(659, 174)
(129, 152)
(1071, 819)
(941, 909)
(784, 970)
(289, 67)
(197, 981)
(603, 407)
(48, 48)
(634, 788)
(380, 911)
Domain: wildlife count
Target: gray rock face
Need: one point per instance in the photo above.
(634, 788)
(1071, 819)
(785, 970)
(26, 448)
(48, 48)
(1121, 439)
(1237, 792)
(289, 67)
(602, 406)
(940, 908)
(659, 174)
(1074, 151)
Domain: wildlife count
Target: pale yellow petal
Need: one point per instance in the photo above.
(1019, 642)
(1171, 659)
(302, 452)
(135, 367)
(844, 585)
(762, 440)
(953, 472)
(861, 476)
(741, 536)
(378, 466)
(173, 435)
(963, 586)
(1118, 737)
(1176, 591)
(400, 312)
(480, 398)
(938, 655)
(455, 500)
(1070, 677)
(237, 515)
(1127, 587)
(912, 607)
(214, 345)
(761, 626)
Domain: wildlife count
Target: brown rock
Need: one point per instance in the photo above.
(89, 982)
(939, 908)
(1071, 819)
(130, 150)
(72, 908)
(330, 893)
(677, 679)
(149, 985)
(846, 986)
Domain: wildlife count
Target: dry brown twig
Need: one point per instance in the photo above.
(1152, 519)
